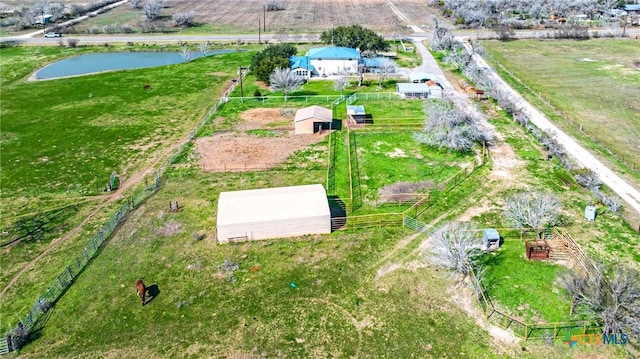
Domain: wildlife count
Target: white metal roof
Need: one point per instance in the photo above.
(412, 88)
(272, 204)
(317, 112)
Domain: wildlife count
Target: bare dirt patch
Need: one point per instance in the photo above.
(242, 151)
(260, 118)
(505, 173)
(303, 16)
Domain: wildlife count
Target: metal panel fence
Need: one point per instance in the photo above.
(18, 335)
(56, 288)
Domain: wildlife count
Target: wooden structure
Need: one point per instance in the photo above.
(469, 89)
(537, 249)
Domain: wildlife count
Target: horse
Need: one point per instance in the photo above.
(141, 289)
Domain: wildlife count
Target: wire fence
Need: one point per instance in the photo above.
(542, 331)
(631, 161)
(17, 336)
(365, 96)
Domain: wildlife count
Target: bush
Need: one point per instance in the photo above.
(403, 191)
(183, 19)
(72, 42)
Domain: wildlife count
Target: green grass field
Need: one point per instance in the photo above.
(340, 305)
(76, 131)
(526, 288)
(590, 85)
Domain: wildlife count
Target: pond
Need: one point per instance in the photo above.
(112, 61)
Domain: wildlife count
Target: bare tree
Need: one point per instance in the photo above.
(285, 80)
(454, 246)
(274, 5)
(534, 210)
(587, 179)
(385, 67)
(77, 9)
(136, 4)
(204, 48)
(442, 37)
(613, 300)
(4, 8)
(152, 9)
(186, 54)
(341, 83)
(184, 19)
(449, 127)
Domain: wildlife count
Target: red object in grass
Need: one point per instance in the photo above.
(255, 269)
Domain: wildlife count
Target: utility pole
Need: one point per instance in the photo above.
(241, 90)
(259, 42)
(264, 17)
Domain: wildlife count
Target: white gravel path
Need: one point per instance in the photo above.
(628, 193)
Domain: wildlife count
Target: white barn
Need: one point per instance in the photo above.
(272, 213)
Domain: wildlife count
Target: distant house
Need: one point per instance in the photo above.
(43, 19)
(312, 119)
(326, 61)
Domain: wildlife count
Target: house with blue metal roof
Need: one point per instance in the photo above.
(326, 61)
(301, 66)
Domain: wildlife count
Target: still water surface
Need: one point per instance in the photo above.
(112, 61)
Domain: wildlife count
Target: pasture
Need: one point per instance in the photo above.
(341, 302)
(61, 139)
(76, 131)
(589, 88)
(366, 293)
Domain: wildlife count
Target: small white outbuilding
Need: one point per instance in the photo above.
(273, 213)
(312, 119)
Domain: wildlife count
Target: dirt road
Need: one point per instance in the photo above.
(628, 193)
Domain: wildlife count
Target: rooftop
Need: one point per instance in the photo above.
(333, 52)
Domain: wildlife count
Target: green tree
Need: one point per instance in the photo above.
(271, 57)
(354, 36)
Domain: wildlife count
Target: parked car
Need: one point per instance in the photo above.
(53, 34)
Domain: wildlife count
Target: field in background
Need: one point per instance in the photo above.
(589, 88)
(298, 16)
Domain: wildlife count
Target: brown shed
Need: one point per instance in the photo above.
(312, 119)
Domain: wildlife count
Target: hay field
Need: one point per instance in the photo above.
(302, 15)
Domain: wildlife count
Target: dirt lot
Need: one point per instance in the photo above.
(241, 151)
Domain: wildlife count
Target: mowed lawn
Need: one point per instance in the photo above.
(311, 297)
(595, 83)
